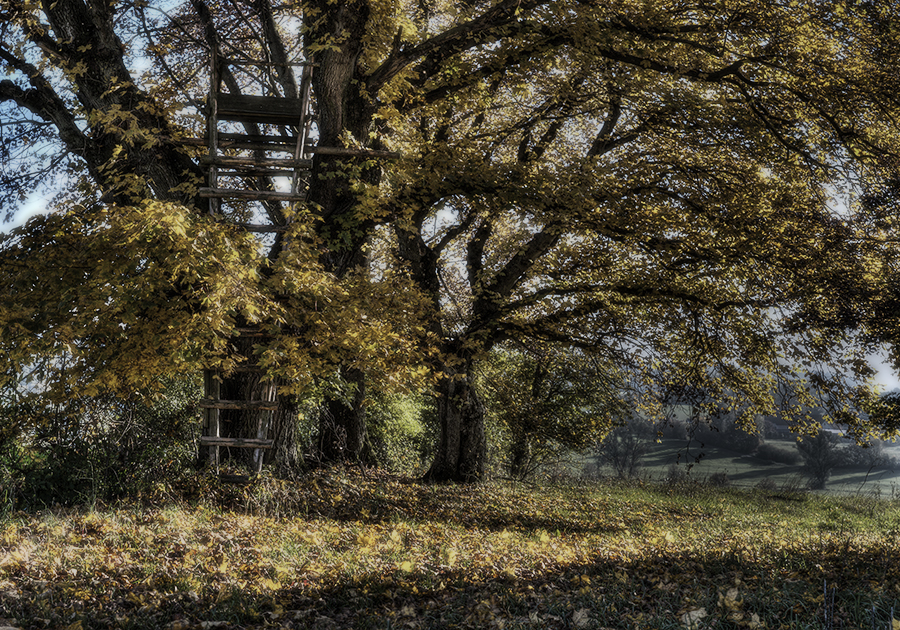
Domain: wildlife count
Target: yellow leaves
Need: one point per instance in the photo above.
(366, 540)
(693, 619)
(664, 538)
(450, 556)
(269, 584)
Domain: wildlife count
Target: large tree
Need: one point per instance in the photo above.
(675, 184)
(644, 172)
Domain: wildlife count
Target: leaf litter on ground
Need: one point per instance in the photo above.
(346, 550)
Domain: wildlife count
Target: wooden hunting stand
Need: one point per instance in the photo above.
(253, 155)
(251, 140)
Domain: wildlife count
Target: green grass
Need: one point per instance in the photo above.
(339, 550)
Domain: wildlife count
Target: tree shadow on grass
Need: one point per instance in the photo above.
(724, 588)
(491, 507)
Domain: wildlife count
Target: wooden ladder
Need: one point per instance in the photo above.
(213, 407)
(286, 113)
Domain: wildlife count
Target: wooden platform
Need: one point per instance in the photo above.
(263, 110)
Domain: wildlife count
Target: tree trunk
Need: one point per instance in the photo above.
(342, 109)
(287, 456)
(461, 450)
(520, 457)
(343, 435)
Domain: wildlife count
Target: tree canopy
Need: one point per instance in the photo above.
(684, 187)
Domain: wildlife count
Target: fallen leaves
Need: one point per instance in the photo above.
(692, 619)
(560, 565)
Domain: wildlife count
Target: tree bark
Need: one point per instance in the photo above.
(343, 435)
(461, 449)
(520, 455)
(279, 425)
(342, 108)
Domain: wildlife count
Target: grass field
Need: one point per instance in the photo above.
(745, 471)
(341, 550)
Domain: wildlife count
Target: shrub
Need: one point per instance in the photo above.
(547, 400)
(771, 452)
(677, 475)
(870, 455)
(719, 480)
(624, 448)
(102, 448)
(398, 435)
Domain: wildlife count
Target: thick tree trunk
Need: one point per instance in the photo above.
(461, 450)
(341, 109)
(280, 425)
(287, 456)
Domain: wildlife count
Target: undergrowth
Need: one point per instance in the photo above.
(339, 549)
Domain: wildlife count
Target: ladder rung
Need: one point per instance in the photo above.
(260, 405)
(251, 162)
(208, 440)
(250, 227)
(372, 153)
(258, 146)
(258, 195)
(252, 171)
(226, 138)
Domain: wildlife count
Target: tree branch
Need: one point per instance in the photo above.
(468, 35)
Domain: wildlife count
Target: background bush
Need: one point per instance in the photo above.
(399, 431)
(101, 448)
(623, 449)
(821, 454)
(872, 455)
(788, 456)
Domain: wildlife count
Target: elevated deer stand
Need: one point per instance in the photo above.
(264, 137)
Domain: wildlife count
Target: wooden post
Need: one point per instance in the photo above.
(211, 415)
(264, 421)
(212, 127)
(302, 132)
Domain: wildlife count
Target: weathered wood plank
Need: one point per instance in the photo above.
(266, 110)
(260, 195)
(261, 405)
(236, 442)
(227, 141)
(254, 162)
